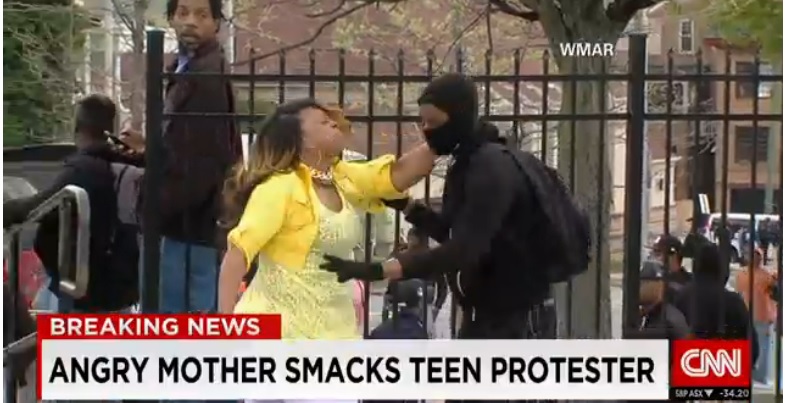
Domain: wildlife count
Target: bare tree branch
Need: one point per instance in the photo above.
(473, 23)
(488, 27)
(121, 12)
(509, 9)
(328, 12)
(324, 25)
(623, 10)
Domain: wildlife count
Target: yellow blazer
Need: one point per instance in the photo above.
(281, 217)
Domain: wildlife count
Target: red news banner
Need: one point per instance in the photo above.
(711, 370)
(153, 327)
(159, 327)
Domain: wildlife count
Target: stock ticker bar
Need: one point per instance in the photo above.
(710, 393)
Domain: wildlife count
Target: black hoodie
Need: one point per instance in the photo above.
(88, 169)
(712, 311)
(484, 201)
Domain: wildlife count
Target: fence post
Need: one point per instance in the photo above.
(153, 178)
(633, 186)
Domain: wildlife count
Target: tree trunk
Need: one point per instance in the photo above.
(584, 155)
(137, 78)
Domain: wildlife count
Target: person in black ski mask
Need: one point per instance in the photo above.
(481, 229)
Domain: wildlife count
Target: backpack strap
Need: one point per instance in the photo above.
(118, 176)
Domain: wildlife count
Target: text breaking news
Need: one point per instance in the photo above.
(233, 357)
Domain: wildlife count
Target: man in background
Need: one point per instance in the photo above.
(111, 287)
(668, 250)
(659, 318)
(200, 151)
(712, 311)
(756, 285)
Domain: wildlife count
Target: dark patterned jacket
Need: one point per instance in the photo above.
(200, 148)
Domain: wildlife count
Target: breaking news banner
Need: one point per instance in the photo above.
(711, 370)
(232, 357)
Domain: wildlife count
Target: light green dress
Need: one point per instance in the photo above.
(312, 303)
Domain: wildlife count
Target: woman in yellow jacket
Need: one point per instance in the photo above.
(295, 202)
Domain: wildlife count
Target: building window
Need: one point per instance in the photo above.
(686, 36)
(746, 143)
(746, 89)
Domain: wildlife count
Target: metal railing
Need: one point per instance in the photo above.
(73, 208)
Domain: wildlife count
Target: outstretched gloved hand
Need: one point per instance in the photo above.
(349, 269)
(397, 204)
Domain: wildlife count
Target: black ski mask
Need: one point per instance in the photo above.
(456, 95)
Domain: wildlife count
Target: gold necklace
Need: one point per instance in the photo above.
(325, 178)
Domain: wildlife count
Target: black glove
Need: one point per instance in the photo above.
(397, 204)
(349, 269)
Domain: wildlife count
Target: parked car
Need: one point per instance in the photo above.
(736, 222)
(31, 272)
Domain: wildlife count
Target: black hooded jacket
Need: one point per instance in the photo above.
(712, 311)
(88, 169)
(485, 200)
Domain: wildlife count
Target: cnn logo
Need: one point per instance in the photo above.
(702, 362)
(709, 363)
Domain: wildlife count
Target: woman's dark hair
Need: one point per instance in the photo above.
(275, 149)
(215, 9)
(95, 115)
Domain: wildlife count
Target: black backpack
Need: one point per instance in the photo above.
(122, 255)
(562, 232)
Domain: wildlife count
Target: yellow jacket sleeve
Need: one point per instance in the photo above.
(372, 179)
(262, 219)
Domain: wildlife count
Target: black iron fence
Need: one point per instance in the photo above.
(699, 130)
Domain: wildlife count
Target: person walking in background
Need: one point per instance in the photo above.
(668, 250)
(294, 202)
(434, 291)
(756, 285)
(712, 311)
(765, 238)
(200, 150)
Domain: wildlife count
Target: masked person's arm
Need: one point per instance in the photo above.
(262, 218)
(490, 190)
(421, 216)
